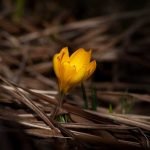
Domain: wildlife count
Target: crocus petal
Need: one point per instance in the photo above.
(80, 58)
(67, 71)
(56, 65)
(78, 76)
(90, 69)
(58, 59)
(64, 54)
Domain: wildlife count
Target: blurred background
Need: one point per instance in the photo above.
(118, 32)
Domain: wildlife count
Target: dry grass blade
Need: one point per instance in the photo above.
(139, 97)
(114, 120)
(29, 103)
(98, 128)
(81, 24)
(39, 112)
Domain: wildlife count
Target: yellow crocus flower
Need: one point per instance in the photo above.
(74, 69)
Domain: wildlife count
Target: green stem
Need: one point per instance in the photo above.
(19, 10)
(59, 106)
(110, 108)
(84, 96)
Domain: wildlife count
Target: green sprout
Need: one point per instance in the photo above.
(94, 99)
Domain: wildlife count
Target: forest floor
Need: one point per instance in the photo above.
(118, 93)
